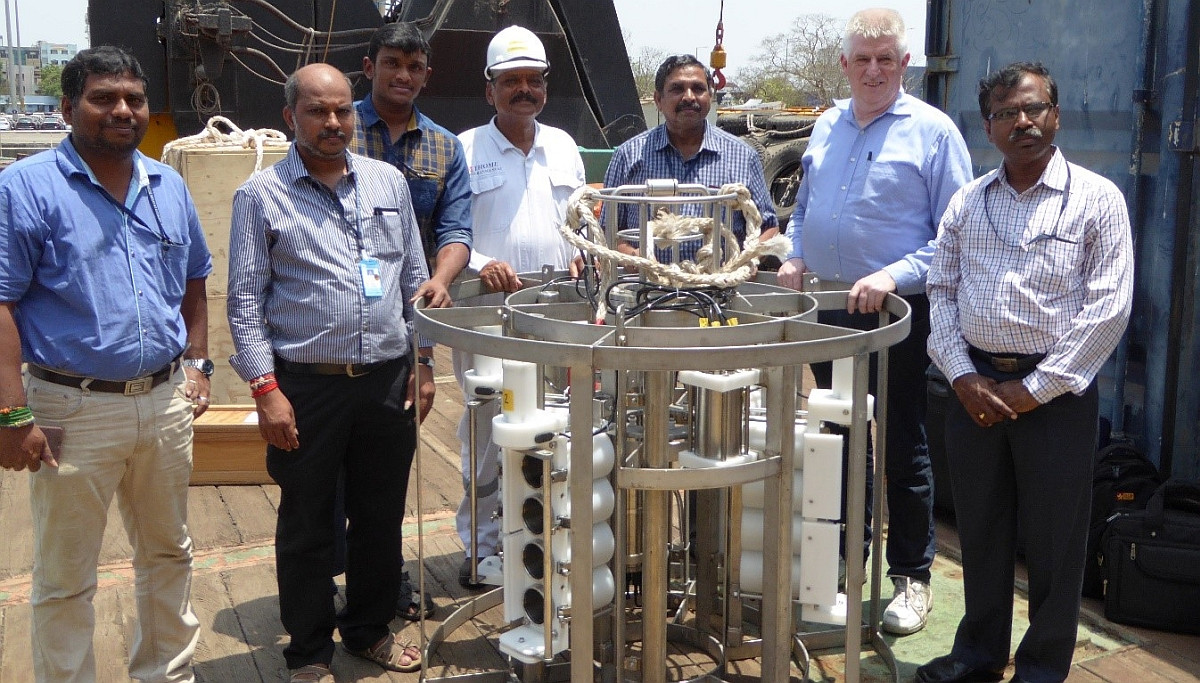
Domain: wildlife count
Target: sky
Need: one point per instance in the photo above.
(665, 24)
(672, 26)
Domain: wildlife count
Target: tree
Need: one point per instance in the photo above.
(799, 67)
(50, 80)
(645, 65)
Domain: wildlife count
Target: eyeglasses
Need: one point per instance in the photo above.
(1033, 110)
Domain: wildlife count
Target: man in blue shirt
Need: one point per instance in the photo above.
(102, 295)
(879, 171)
(689, 150)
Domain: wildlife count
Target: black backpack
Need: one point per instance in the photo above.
(1122, 481)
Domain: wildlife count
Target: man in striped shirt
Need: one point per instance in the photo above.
(1029, 292)
(325, 259)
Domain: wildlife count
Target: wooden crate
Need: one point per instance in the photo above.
(227, 448)
(212, 176)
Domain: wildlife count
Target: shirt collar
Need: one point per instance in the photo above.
(903, 105)
(505, 144)
(70, 163)
(370, 116)
(292, 167)
(1054, 176)
(659, 140)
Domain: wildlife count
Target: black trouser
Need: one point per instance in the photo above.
(1035, 473)
(910, 543)
(357, 425)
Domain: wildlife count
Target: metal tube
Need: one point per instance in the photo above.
(547, 563)
(655, 523)
(472, 486)
(777, 537)
(856, 495)
(581, 482)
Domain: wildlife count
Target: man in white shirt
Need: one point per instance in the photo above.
(522, 173)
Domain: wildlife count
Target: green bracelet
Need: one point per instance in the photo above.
(16, 416)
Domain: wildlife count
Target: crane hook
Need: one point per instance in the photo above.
(717, 59)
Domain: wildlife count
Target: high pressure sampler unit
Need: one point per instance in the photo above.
(659, 481)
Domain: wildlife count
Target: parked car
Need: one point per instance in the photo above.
(54, 122)
(25, 123)
(5, 124)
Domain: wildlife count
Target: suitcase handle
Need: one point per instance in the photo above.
(1172, 495)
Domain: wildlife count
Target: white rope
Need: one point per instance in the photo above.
(213, 138)
(739, 264)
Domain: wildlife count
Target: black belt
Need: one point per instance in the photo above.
(1007, 362)
(133, 387)
(348, 369)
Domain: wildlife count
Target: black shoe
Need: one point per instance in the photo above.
(947, 669)
(464, 576)
(409, 603)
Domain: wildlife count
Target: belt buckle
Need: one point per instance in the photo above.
(1005, 364)
(141, 385)
(350, 371)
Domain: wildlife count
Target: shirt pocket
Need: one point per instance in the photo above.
(387, 234)
(424, 189)
(1055, 266)
(563, 182)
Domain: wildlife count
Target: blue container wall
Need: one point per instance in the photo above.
(1127, 86)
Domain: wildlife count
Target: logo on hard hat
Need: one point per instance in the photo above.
(515, 48)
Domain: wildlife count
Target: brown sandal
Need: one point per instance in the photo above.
(311, 673)
(391, 655)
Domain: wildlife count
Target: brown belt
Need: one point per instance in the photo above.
(133, 387)
(1007, 362)
(348, 369)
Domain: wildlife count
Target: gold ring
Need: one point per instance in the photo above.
(983, 416)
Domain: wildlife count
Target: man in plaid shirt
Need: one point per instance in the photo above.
(388, 126)
(391, 128)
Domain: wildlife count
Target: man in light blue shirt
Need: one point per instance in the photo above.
(879, 170)
(102, 296)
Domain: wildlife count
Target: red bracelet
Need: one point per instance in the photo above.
(264, 389)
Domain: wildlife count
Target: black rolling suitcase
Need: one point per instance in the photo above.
(1152, 562)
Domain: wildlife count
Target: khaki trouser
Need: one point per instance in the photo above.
(140, 448)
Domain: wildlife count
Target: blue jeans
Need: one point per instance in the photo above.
(911, 544)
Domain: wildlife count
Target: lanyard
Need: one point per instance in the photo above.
(1052, 235)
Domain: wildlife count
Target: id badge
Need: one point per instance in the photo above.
(372, 277)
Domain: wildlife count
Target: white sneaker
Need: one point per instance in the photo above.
(912, 601)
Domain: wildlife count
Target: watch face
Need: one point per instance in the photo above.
(202, 364)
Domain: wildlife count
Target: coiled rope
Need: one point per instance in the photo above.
(582, 230)
(213, 137)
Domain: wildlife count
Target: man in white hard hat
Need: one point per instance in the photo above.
(522, 173)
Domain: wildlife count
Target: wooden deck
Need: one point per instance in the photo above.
(234, 592)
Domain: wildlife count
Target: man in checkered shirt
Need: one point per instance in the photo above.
(1029, 290)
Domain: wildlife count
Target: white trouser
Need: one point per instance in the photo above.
(487, 470)
(140, 448)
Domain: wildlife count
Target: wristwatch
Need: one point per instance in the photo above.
(427, 361)
(202, 364)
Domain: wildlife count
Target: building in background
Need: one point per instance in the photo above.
(24, 93)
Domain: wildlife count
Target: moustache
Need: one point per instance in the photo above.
(1031, 133)
(687, 107)
(328, 135)
(523, 97)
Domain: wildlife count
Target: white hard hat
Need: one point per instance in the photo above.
(515, 48)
